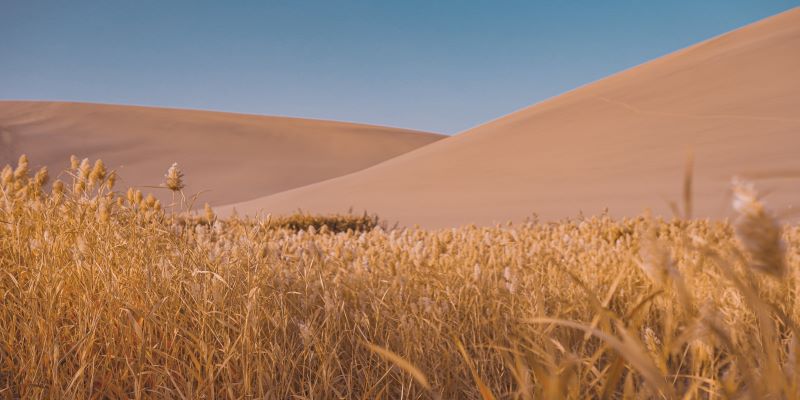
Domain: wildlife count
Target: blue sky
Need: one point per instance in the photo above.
(441, 66)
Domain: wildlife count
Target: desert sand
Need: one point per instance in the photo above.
(227, 157)
(619, 143)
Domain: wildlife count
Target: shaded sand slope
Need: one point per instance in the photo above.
(235, 157)
(620, 143)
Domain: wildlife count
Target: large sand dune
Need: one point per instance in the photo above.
(235, 157)
(621, 143)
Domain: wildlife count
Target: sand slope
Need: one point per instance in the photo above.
(619, 143)
(236, 157)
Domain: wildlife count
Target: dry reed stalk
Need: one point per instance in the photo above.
(111, 296)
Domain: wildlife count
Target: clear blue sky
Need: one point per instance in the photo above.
(442, 66)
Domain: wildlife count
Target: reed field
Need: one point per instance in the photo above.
(112, 294)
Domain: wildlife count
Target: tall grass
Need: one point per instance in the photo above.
(107, 295)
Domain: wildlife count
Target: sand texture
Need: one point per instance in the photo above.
(228, 157)
(619, 143)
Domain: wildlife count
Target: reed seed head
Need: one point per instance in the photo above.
(41, 177)
(174, 178)
(79, 187)
(150, 201)
(58, 188)
(98, 173)
(138, 197)
(758, 231)
(131, 196)
(84, 169)
(209, 214)
(111, 180)
(22, 168)
(7, 176)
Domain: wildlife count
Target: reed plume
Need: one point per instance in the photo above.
(174, 178)
(109, 295)
(758, 231)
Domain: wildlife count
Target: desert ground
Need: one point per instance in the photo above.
(533, 271)
(620, 143)
(230, 157)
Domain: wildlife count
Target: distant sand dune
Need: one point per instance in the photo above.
(621, 143)
(234, 157)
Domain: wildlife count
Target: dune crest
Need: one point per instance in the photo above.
(619, 143)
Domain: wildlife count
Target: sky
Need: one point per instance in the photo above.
(441, 66)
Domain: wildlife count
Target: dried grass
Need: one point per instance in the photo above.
(110, 296)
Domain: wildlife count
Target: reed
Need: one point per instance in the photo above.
(107, 294)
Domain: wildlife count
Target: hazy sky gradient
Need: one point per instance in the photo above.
(428, 65)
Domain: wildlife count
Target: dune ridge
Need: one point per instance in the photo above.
(228, 157)
(620, 144)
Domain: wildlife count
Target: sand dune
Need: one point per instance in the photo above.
(620, 143)
(235, 157)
